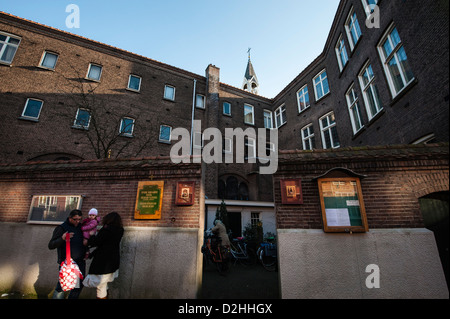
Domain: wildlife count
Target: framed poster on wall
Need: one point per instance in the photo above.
(291, 191)
(342, 205)
(149, 200)
(185, 194)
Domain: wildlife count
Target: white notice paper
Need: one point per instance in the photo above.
(338, 217)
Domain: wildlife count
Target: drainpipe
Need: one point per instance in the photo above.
(193, 114)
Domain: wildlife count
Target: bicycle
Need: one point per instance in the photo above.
(267, 254)
(213, 252)
(241, 252)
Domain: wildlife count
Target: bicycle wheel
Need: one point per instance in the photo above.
(268, 262)
(250, 259)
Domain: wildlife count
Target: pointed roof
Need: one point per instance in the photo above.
(250, 72)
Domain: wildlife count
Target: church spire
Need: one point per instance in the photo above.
(250, 83)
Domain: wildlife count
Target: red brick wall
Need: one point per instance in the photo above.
(107, 185)
(396, 177)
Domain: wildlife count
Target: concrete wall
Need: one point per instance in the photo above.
(314, 264)
(155, 262)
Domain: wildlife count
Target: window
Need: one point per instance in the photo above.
(341, 53)
(94, 72)
(165, 134)
(330, 138)
(82, 119)
(126, 127)
(8, 47)
(370, 91)
(321, 86)
(226, 108)
(308, 138)
(353, 29)
(280, 116)
(199, 141)
(169, 93)
(249, 116)
(134, 83)
(395, 62)
(303, 99)
(228, 145)
(270, 148)
(254, 219)
(369, 6)
(52, 209)
(268, 123)
(354, 109)
(200, 101)
(32, 109)
(250, 148)
(49, 60)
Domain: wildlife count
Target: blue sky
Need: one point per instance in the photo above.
(285, 35)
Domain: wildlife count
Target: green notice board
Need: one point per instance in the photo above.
(342, 205)
(149, 200)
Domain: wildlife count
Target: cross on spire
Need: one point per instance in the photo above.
(249, 53)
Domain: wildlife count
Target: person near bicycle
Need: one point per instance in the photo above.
(220, 230)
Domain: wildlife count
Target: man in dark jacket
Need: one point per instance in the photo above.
(71, 227)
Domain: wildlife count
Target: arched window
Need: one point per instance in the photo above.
(243, 191)
(232, 187)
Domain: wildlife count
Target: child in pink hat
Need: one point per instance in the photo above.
(89, 226)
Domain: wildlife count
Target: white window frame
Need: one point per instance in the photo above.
(370, 86)
(352, 25)
(268, 119)
(127, 134)
(129, 82)
(322, 80)
(228, 145)
(76, 118)
(89, 71)
(341, 53)
(328, 129)
(301, 97)
(249, 109)
(6, 44)
(393, 55)
(250, 147)
(354, 109)
(170, 134)
(200, 101)
(44, 55)
(255, 218)
(310, 137)
(223, 108)
(198, 137)
(280, 116)
(23, 116)
(166, 96)
(369, 8)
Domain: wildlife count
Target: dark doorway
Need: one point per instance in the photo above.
(235, 223)
(435, 211)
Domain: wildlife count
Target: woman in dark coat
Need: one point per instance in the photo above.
(105, 265)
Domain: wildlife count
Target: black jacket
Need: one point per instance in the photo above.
(77, 249)
(107, 255)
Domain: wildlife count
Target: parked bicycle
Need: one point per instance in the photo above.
(267, 254)
(214, 253)
(241, 252)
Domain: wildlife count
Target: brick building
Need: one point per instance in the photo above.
(382, 79)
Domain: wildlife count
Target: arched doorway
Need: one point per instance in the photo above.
(435, 211)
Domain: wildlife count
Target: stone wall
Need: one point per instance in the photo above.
(159, 259)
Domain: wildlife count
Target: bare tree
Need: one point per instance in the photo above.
(112, 129)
